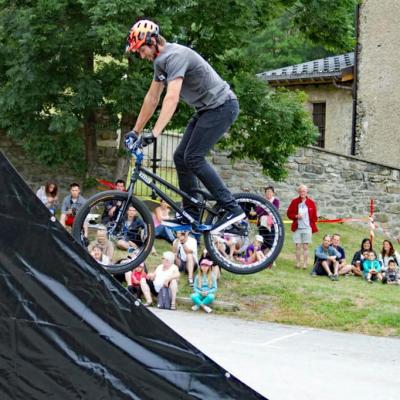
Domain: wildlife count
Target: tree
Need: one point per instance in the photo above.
(62, 62)
(53, 89)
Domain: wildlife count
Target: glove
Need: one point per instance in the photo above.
(130, 138)
(147, 138)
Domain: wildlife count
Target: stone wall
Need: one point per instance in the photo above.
(37, 175)
(341, 185)
(338, 123)
(378, 107)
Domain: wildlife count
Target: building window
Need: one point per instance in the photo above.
(319, 114)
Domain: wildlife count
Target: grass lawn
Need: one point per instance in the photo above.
(286, 295)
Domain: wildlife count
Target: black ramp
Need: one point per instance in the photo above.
(68, 330)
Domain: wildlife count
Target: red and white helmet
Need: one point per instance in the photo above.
(141, 33)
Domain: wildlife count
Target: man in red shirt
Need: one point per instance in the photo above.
(303, 212)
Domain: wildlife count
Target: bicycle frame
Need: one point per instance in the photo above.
(141, 174)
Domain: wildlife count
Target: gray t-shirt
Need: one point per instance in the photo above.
(202, 87)
(303, 223)
(69, 203)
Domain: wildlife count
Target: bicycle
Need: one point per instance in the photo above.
(228, 248)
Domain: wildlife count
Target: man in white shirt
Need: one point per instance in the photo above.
(185, 250)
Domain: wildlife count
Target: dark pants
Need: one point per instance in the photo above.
(202, 133)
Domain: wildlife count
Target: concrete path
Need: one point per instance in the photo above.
(294, 363)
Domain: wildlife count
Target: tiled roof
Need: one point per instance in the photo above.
(320, 70)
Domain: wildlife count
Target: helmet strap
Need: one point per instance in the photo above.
(157, 49)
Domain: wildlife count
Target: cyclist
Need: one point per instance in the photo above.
(187, 75)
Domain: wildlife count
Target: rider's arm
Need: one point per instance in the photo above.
(169, 105)
(149, 105)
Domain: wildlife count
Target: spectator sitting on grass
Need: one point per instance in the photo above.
(358, 257)
(392, 276)
(48, 195)
(132, 230)
(372, 268)
(137, 284)
(215, 268)
(253, 251)
(97, 254)
(185, 250)
(165, 275)
(71, 205)
(112, 207)
(344, 268)
(102, 242)
(161, 213)
(326, 260)
(205, 287)
(388, 253)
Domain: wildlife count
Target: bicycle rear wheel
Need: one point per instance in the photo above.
(252, 244)
(127, 236)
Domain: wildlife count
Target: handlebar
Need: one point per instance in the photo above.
(133, 144)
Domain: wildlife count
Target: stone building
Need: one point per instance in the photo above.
(378, 100)
(354, 97)
(328, 83)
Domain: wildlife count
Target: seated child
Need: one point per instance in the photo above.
(215, 268)
(372, 268)
(392, 275)
(99, 256)
(137, 284)
(253, 251)
(205, 287)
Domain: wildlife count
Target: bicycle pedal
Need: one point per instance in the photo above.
(202, 228)
(181, 228)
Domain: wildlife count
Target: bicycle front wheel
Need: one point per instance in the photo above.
(116, 230)
(252, 244)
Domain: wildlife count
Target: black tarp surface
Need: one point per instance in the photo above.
(68, 330)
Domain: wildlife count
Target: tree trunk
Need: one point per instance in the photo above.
(89, 125)
(121, 169)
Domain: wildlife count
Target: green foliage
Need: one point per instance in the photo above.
(281, 44)
(270, 127)
(61, 61)
(328, 23)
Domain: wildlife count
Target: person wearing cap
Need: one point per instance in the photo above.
(205, 287)
(167, 275)
(215, 267)
(253, 251)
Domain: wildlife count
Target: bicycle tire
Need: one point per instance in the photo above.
(97, 202)
(237, 266)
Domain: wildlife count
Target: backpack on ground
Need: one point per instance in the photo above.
(164, 298)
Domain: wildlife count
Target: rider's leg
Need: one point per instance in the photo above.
(202, 133)
(186, 178)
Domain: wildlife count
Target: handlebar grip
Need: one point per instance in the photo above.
(130, 139)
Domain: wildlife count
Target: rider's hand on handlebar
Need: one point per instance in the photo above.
(130, 138)
(147, 138)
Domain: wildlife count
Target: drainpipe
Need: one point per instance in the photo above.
(355, 83)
